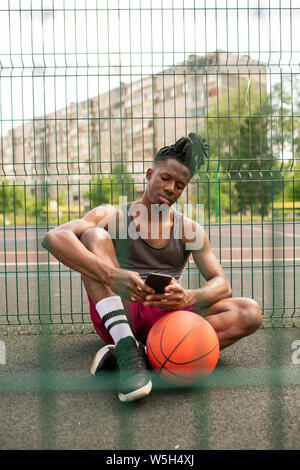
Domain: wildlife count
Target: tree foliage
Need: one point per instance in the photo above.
(239, 137)
(106, 189)
(11, 197)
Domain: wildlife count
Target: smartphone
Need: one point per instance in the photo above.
(158, 282)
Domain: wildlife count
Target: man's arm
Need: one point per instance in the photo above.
(214, 289)
(65, 245)
(216, 286)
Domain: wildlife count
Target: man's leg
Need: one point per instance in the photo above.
(234, 319)
(135, 382)
(99, 242)
(105, 300)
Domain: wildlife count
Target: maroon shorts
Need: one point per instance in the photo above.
(141, 318)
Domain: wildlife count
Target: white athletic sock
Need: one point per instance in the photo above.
(112, 313)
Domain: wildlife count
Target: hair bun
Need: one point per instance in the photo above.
(200, 148)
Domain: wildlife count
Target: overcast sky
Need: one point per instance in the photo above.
(54, 52)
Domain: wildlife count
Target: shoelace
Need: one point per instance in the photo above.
(130, 359)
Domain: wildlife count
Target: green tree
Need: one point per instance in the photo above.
(285, 106)
(291, 183)
(106, 189)
(285, 135)
(238, 132)
(11, 197)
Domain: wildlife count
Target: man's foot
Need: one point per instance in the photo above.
(134, 382)
(105, 359)
(144, 350)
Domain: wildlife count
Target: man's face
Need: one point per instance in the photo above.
(166, 181)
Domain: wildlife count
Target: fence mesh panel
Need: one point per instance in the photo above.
(89, 91)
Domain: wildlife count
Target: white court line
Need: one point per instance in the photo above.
(259, 260)
(277, 233)
(244, 260)
(29, 264)
(247, 229)
(214, 248)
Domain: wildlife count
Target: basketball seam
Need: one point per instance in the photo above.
(149, 346)
(161, 337)
(162, 334)
(188, 379)
(193, 360)
(167, 358)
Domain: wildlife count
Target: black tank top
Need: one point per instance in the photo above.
(138, 255)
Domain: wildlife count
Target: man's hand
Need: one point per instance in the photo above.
(129, 285)
(174, 298)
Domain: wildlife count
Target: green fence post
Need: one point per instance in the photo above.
(216, 191)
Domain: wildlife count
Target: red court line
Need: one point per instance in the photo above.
(225, 254)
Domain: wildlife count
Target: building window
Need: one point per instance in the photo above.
(197, 111)
(212, 92)
(211, 78)
(199, 96)
(86, 104)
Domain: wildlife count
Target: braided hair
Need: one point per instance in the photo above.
(189, 151)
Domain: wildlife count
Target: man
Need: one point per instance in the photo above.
(114, 249)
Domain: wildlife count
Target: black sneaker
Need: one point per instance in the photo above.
(105, 359)
(134, 382)
(144, 353)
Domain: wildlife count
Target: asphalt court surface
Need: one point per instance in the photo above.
(251, 415)
(230, 242)
(261, 262)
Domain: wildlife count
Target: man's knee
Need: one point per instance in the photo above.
(249, 315)
(92, 237)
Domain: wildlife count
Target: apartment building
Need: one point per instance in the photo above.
(126, 124)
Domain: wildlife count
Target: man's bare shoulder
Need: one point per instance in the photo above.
(193, 234)
(106, 216)
(100, 212)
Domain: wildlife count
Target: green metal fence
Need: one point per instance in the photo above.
(91, 90)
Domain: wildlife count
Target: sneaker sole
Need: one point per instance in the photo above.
(137, 394)
(99, 356)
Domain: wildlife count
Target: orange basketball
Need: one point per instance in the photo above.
(183, 347)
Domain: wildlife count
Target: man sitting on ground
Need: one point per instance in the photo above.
(114, 267)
